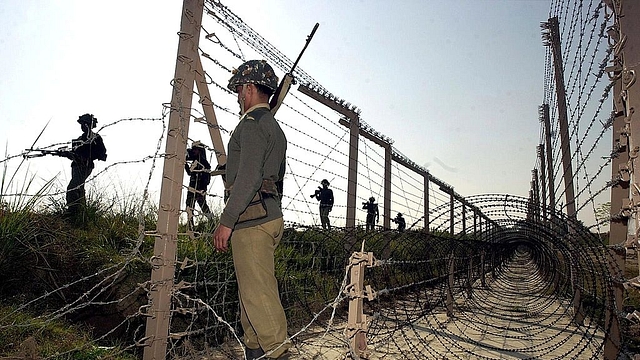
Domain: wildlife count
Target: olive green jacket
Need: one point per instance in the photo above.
(256, 151)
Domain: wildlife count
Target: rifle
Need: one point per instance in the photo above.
(63, 152)
(288, 80)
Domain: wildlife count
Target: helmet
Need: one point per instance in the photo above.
(254, 72)
(324, 181)
(372, 199)
(198, 144)
(399, 214)
(88, 119)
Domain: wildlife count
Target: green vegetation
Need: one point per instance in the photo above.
(74, 288)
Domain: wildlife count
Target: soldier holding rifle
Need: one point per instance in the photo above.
(84, 150)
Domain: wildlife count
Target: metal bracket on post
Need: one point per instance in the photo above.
(357, 326)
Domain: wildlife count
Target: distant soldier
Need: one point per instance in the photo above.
(325, 196)
(84, 150)
(402, 224)
(373, 215)
(197, 167)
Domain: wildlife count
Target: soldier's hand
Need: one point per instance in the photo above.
(221, 238)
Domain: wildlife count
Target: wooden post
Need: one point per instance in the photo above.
(163, 260)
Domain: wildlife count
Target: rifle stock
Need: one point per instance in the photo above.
(288, 79)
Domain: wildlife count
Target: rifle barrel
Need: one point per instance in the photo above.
(305, 47)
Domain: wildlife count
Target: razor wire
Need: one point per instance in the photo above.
(512, 278)
(585, 56)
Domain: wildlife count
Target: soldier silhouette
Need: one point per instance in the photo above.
(325, 196)
(84, 150)
(402, 224)
(197, 167)
(373, 215)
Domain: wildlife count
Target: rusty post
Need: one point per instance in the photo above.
(163, 260)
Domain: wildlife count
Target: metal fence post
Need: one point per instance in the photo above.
(357, 326)
(543, 113)
(452, 268)
(426, 202)
(624, 39)
(552, 39)
(543, 182)
(165, 248)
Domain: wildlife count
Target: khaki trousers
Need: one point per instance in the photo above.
(261, 313)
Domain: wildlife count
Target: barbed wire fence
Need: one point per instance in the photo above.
(437, 290)
(583, 78)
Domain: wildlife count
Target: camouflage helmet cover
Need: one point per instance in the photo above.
(324, 181)
(254, 72)
(88, 119)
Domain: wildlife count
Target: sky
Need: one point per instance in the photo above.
(455, 84)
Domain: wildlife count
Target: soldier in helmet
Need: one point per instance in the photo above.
(252, 217)
(402, 224)
(325, 196)
(84, 150)
(373, 215)
(197, 167)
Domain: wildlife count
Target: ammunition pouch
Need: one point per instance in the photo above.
(257, 209)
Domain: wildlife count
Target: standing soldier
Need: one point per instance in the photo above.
(402, 224)
(373, 215)
(325, 196)
(199, 178)
(252, 217)
(84, 150)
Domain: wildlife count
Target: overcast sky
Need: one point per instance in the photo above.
(456, 84)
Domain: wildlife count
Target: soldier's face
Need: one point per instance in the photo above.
(241, 97)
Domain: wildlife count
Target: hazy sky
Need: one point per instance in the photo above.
(456, 84)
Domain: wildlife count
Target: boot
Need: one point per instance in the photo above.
(253, 353)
